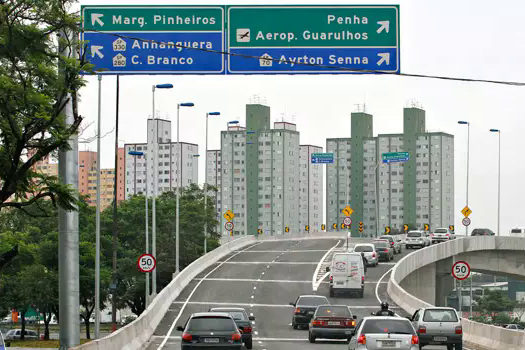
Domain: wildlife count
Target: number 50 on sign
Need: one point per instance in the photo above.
(461, 270)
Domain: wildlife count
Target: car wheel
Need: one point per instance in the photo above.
(421, 346)
(294, 325)
(450, 347)
(248, 344)
(408, 247)
(331, 293)
(458, 346)
(311, 338)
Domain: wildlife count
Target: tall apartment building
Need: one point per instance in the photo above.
(213, 178)
(310, 189)
(260, 179)
(416, 192)
(140, 169)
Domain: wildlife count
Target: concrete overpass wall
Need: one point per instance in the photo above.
(411, 289)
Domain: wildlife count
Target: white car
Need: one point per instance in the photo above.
(369, 250)
(417, 239)
(15, 334)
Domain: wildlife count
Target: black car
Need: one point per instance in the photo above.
(332, 322)
(482, 232)
(210, 330)
(242, 320)
(305, 307)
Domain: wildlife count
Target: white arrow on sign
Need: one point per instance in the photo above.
(96, 50)
(384, 25)
(96, 17)
(385, 57)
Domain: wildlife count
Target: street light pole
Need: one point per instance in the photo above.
(468, 159)
(177, 193)
(206, 185)
(97, 220)
(155, 189)
(499, 173)
(146, 274)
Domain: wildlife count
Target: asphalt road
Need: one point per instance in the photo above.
(264, 278)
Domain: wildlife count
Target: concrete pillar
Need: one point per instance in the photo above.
(444, 281)
(422, 283)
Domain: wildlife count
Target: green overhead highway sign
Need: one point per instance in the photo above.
(395, 157)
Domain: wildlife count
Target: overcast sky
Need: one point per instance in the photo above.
(470, 39)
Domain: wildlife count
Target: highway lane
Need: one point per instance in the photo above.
(264, 278)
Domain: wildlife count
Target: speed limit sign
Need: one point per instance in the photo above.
(228, 226)
(146, 263)
(461, 270)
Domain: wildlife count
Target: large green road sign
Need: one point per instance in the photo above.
(313, 39)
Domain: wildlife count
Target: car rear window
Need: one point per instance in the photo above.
(363, 248)
(440, 315)
(313, 301)
(515, 230)
(414, 234)
(333, 311)
(381, 244)
(441, 230)
(208, 323)
(387, 326)
(235, 314)
(388, 238)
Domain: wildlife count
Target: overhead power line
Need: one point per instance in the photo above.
(411, 75)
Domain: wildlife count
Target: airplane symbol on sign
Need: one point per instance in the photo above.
(243, 35)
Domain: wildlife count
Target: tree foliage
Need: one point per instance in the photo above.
(33, 93)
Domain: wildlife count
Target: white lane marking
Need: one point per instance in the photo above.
(268, 262)
(294, 339)
(379, 282)
(266, 281)
(315, 284)
(221, 303)
(286, 251)
(189, 297)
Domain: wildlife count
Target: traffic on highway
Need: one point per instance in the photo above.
(284, 289)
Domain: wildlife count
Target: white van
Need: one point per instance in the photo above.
(347, 273)
(517, 232)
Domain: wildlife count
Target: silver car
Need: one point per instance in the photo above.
(371, 256)
(442, 235)
(14, 334)
(438, 326)
(384, 333)
(395, 242)
(417, 239)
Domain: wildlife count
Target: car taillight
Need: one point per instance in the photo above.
(186, 337)
(363, 279)
(392, 244)
(448, 235)
(431, 235)
(373, 254)
(236, 336)
(422, 330)
(361, 339)
(350, 323)
(415, 340)
(297, 310)
(387, 250)
(318, 323)
(459, 330)
(246, 330)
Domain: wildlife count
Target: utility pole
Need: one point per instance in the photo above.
(97, 220)
(68, 237)
(115, 218)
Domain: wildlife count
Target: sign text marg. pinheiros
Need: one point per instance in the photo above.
(260, 39)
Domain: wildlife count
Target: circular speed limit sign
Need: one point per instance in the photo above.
(347, 221)
(461, 270)
(146, 263)
(465, 221)
(228, 226)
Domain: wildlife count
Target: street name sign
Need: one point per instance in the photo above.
(322, 158)
(313, 39)
(154, 39)
(395, 157)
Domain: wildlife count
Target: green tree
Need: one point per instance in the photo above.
(494, 302)
(33, 92)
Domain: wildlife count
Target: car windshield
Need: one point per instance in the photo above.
(376, 326)
(381, 244)
(333, 311)
(313, 301)
(440, 315)
(208, 323)
(414, 234)
(235, 314)
(441, 230)
(363, 248)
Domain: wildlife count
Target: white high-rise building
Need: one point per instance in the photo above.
(338, 181)
(213, 178)
(310, 189)
(140, 169)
